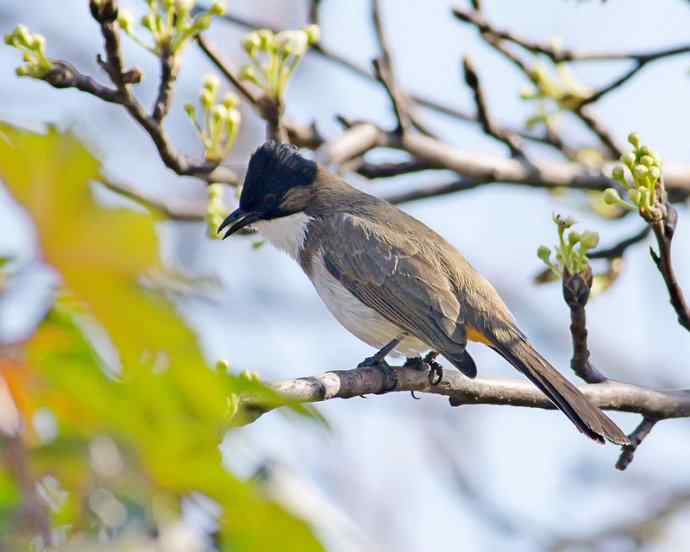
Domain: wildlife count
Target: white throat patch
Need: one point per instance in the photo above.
(286, 233)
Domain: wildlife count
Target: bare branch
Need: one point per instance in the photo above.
(460, 390)
(617, 250)
(483, 115)
(663, 231)
(636, 438)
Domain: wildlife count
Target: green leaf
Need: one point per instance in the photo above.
(115, 361)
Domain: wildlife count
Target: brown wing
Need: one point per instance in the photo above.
(386, 271)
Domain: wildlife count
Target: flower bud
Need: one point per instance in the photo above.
(22, 71)
(618, 173)
(203, 22)
(217, 8)
(251, 43)
(183, 7)
(206, 99)
(313, 33)
(544, 253)
(292, 42)
(233, 118)
(126, 21)
(634, 139)
(231, 101)
(629, 159)
(23, 35)
(589, 240)
(641, 171)
(266, 39)
(211, 83)
(219, 113)
(647, 160)
(190, 109)
(655, 173)
(248, 73)
(573, 237)
(612, 197)
(148, 22)
(38, 42)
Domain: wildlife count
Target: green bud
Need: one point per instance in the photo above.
(544, 253)
(612, 197)
(655, 173)
(126, 21)
(183, 7)
(234, 118)
(219, 113)
(248, 73)
(629, 159)
(217, 8)
(23, 35)
(292, 42)
(251, 42)
(22, 71)
(618, 173)
(206, 99)
(647, 160)
(645, 150)
(223, 365)
(148, 22)
(641, 171)
(266, 39)
(190, 109)
(589, 240)
(313, 33)
(203, 22)
(37, 42)
(634, 139)
(573, 237)
(211, 83)
(231, 101)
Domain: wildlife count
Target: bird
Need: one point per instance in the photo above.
(391, 280)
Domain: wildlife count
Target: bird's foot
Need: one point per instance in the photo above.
(416, 363)
(388, 373)
(435, 369)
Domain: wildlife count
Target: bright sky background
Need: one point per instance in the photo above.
(385, 463)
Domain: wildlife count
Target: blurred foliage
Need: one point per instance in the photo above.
(123, 416)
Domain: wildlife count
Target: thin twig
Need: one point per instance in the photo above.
(483, 115)
(636, 438)
(617, 250)
(663, 231)
(558, 54)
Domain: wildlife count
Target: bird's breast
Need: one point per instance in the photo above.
(356, 317)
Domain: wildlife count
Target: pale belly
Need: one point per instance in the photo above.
(360, 320)
(288, 234)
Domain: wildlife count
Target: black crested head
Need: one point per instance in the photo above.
(276, 175)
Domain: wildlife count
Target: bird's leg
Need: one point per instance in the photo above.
(379, 358)
(378, 361)
(435, 369)
(416, 363)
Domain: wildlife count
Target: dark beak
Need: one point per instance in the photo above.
(237, 220)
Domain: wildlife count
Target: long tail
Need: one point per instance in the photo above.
(589, 419)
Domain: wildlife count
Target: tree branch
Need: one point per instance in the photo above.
(460, 390)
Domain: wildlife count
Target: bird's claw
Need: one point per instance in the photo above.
(390, 378)
(435, 369)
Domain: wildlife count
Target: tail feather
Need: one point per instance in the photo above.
(589, 419)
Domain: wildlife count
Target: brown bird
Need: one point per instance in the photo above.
(391, 280)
